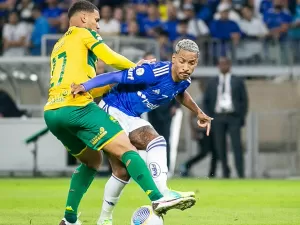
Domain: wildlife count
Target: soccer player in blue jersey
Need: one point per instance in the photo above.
(139, 90)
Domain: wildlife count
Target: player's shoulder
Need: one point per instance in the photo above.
(160, 68)
(86, 32)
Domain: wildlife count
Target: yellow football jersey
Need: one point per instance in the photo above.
(73, 60)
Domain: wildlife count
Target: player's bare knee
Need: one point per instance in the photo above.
(121, 173)
(91, 159)
(91, 163)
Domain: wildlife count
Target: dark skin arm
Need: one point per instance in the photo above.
(204, 121)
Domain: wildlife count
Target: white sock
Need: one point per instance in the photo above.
(143, 155)
(112, 192)
(157, 162)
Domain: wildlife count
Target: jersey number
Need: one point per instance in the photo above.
(62, 56)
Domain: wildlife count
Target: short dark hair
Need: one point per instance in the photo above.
(80, 6)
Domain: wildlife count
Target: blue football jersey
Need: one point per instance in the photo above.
(145, 88)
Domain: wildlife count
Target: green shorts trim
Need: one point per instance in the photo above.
(80, 127)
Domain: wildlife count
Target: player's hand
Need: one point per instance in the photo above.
(204, 121)
(77, 89)
(142, 61)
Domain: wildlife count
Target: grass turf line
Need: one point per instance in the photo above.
(219, 202)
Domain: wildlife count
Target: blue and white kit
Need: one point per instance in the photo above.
(139, 90)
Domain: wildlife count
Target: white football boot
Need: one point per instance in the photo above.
(172, 200)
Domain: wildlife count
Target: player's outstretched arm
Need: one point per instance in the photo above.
(138, 75)
(204, 121)
(98, 81)
(112, 58)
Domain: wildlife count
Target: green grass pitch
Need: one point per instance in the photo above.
(219, 202)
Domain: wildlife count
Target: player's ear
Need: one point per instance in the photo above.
(173, 58)
(83, 17)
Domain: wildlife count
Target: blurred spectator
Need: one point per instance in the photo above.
(151, 22)
(196, 27)
(295, 26)
(183, 30)
(140, 7)
(179, 5)
(119, 14)
(163, 9)
(8, 107)
(165, 46)
(292, 5)
(225, 29)
(129, 16)
(133, 29)
(255, 30)
(24, 9)
(278, 20)
(205, 143)
(226, 101)
(108, 25)
(265, 5)
(251, 26)
(6, 6)
(15, 36)
(171, 24)
(52, 12)
(65, 4)
(237, 4)
(255, 5)
(131, 49)
(204, 12)
(294, 33)
(232, 15)
(40, 28)
(63, 23)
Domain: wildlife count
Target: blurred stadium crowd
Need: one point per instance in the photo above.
(243, 25)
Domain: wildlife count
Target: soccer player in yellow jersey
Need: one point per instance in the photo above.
(82, 127)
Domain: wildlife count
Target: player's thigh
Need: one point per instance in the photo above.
(142, 136)
(97, 127)
(118, 168)
(139, 130)
(55, 120)
(118, 146)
